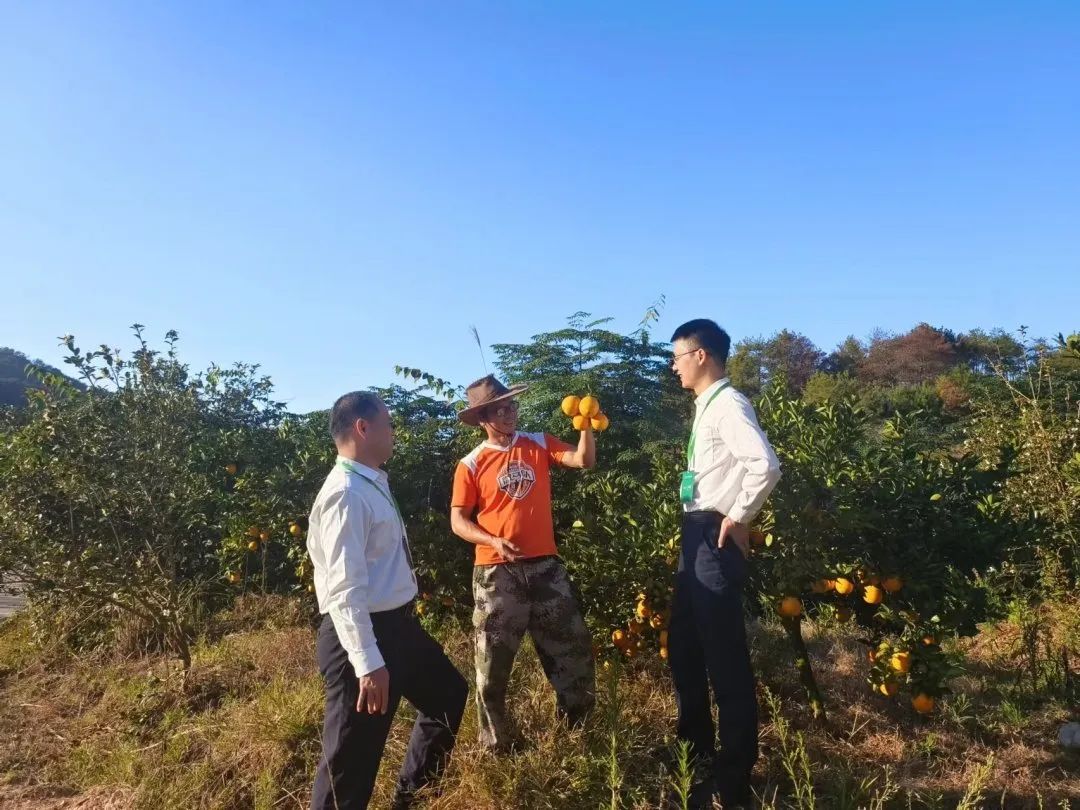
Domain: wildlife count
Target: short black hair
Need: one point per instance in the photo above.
(707, 335)
(350, 407)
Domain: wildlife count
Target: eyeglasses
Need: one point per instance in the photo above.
(504, 410)
(675, 357)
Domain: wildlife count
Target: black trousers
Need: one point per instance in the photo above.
(353, 742)
(707, 646)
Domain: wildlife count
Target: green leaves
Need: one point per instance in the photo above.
(428, 382)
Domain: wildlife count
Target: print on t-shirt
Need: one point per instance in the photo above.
(518, 479)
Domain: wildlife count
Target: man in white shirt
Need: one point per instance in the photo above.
(372, 650)
(731, 469)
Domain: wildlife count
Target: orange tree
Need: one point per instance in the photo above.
(867, 526)
(115, 498)
(621, 551)
(272, 480)
(1033, 435)
(876, 529)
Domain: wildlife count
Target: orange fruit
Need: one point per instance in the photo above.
(872, 595)
(252, 531)
(253, 546)
(929, 640)
(790, 607)
(889, 688)
(663, 653)
(643, 611)
(230, 468)
(581, 422)
(570, 405)
(618, 636)
(589, 406)
(922, 703)
(892, 584)
(901, 662)
(844, 586)
(264, 536)
(295, 530)
(600, 423)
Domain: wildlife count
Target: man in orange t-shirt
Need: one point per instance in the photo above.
(502, 504)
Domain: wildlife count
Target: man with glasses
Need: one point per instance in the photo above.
(731, 469)
(502, 504)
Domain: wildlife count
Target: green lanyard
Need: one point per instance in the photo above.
(389, 497)
(693, 433)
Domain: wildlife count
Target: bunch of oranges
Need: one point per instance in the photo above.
(585, 411)
(873, 588)
(890, 667)
(631, 640)
(256, 539)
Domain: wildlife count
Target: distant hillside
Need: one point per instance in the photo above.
(14, 380)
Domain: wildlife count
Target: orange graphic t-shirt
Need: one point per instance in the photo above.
(510, 490)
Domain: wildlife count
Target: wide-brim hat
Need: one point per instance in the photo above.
(484, 392)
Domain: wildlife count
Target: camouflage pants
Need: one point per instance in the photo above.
(535, 596)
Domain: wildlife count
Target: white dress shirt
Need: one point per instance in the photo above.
(735, 466)
(358, 548)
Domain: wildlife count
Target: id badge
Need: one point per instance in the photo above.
(686, 487)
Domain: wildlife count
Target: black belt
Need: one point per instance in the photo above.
(703, 516)
(405, 609)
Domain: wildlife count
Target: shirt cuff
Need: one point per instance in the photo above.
(366, 660)
(740, 515)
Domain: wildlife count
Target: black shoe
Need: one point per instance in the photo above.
(668, 757)
(702, 795)
(741, 799)
(507, 748)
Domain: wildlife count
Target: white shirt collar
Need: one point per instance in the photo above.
(708, 392)
(494, 446)
(368, 472)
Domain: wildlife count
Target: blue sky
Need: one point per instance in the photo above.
(333, 189)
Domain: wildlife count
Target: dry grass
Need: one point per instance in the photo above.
(241, 731)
